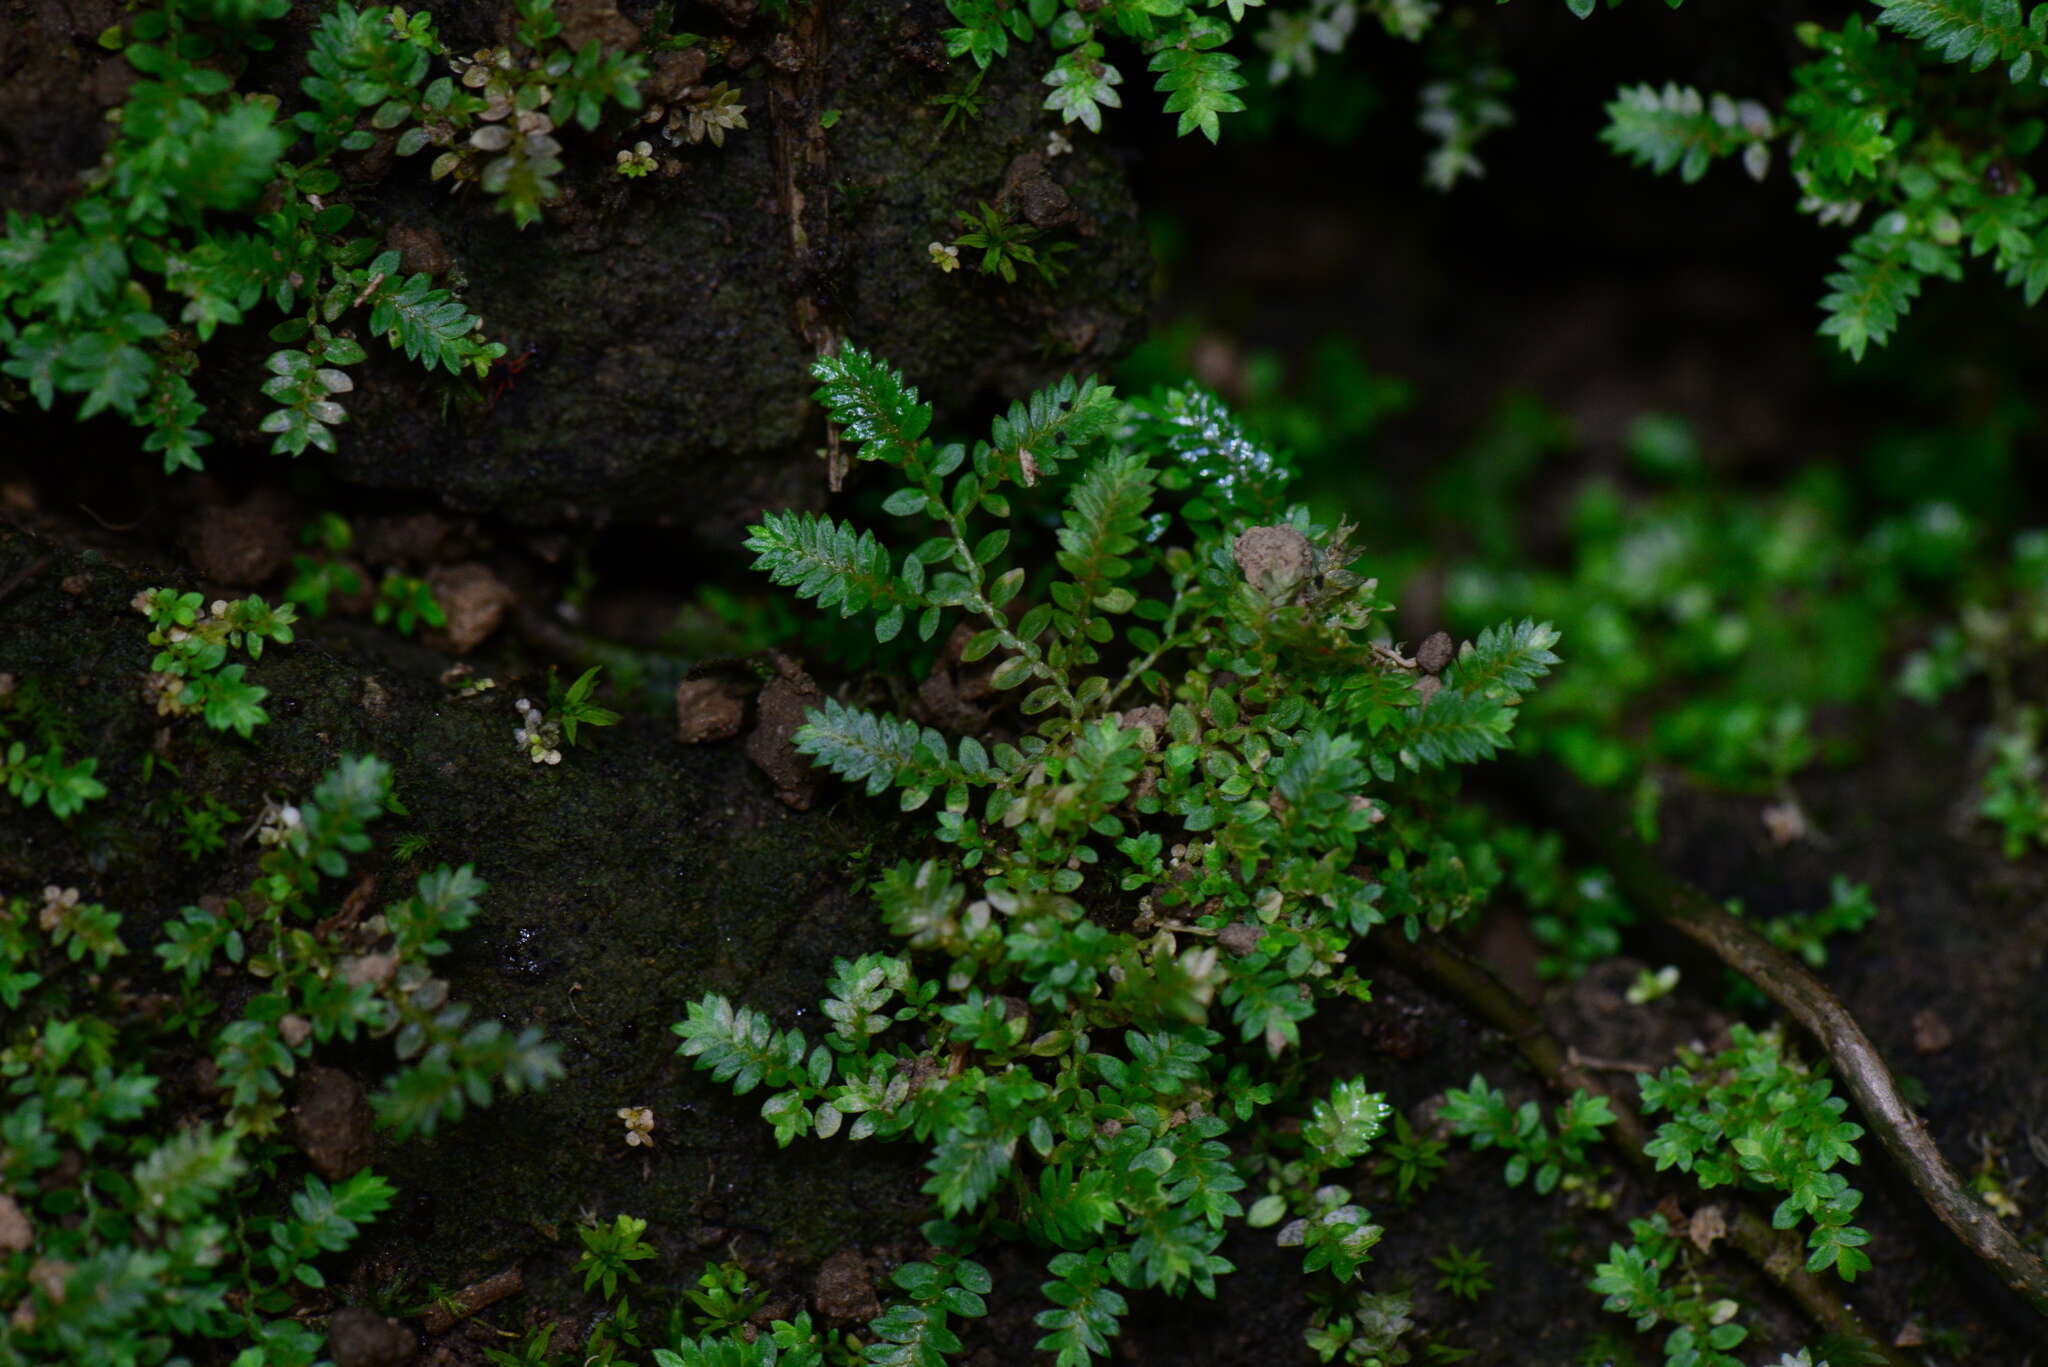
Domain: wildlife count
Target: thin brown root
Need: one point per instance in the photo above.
(1647, 884)
(1775, 1254)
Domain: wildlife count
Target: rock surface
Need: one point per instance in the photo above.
(624, 883)
(665, 326)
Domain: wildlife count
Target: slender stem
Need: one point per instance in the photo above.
(1774, 1253)
(996, 617)
(1167, 641)
(1648, 884)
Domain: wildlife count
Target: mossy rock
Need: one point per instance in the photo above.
(628, 880)
(664, 326)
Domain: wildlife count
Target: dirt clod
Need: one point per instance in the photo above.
(1240, 937)
(420, 249)
(1031, 189)
(1277, 561)
(405, 539)
(783, 54)
(598, 21)
(16, 1233)
(675, 72)
(474, 601)
(706, 711)
(1931, 1034)
(358, 1336)
(1150, 718)
(772, 743)
(332, 1123)
(844, 1289)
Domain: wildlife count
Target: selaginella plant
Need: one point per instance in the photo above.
(1911, 126)
(34, 770)
(140, 1127)
(190, 676)
(1199, 794)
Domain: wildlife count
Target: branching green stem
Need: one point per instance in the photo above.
(1169, 639)
(997, 619)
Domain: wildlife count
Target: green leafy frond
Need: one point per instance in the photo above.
(1198, 86)
(859, 994)
(1672, 128)
(1083, 85)
(1088, 1310)
(1103, 520)
(985, 29)
(1878, 281)
(1454, 728)
(430, 325)
(871, 404)
(459, 1069)
(1106, 759)
(1976, 32)
(1047, 428)
(1343, 1125)
(1227, 467)
(738, 1045)
(308, 412)
(1320, 774)
(1504, 662)
(721, 1350)
(965, 1166)
(833, 564)
(186, 1173)
(873, 748)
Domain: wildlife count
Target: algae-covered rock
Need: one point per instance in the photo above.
(660, 329)
(626, 881)
(673, 320)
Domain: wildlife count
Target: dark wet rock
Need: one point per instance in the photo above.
(360, 1337)
(240, 545)
(646, 872)
(779, 711)
(845, 1288)
(666, 326)
(332, 1123)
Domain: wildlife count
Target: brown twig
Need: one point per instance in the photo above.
(1775, 1254)
(1647, 884)
(473, 1298)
